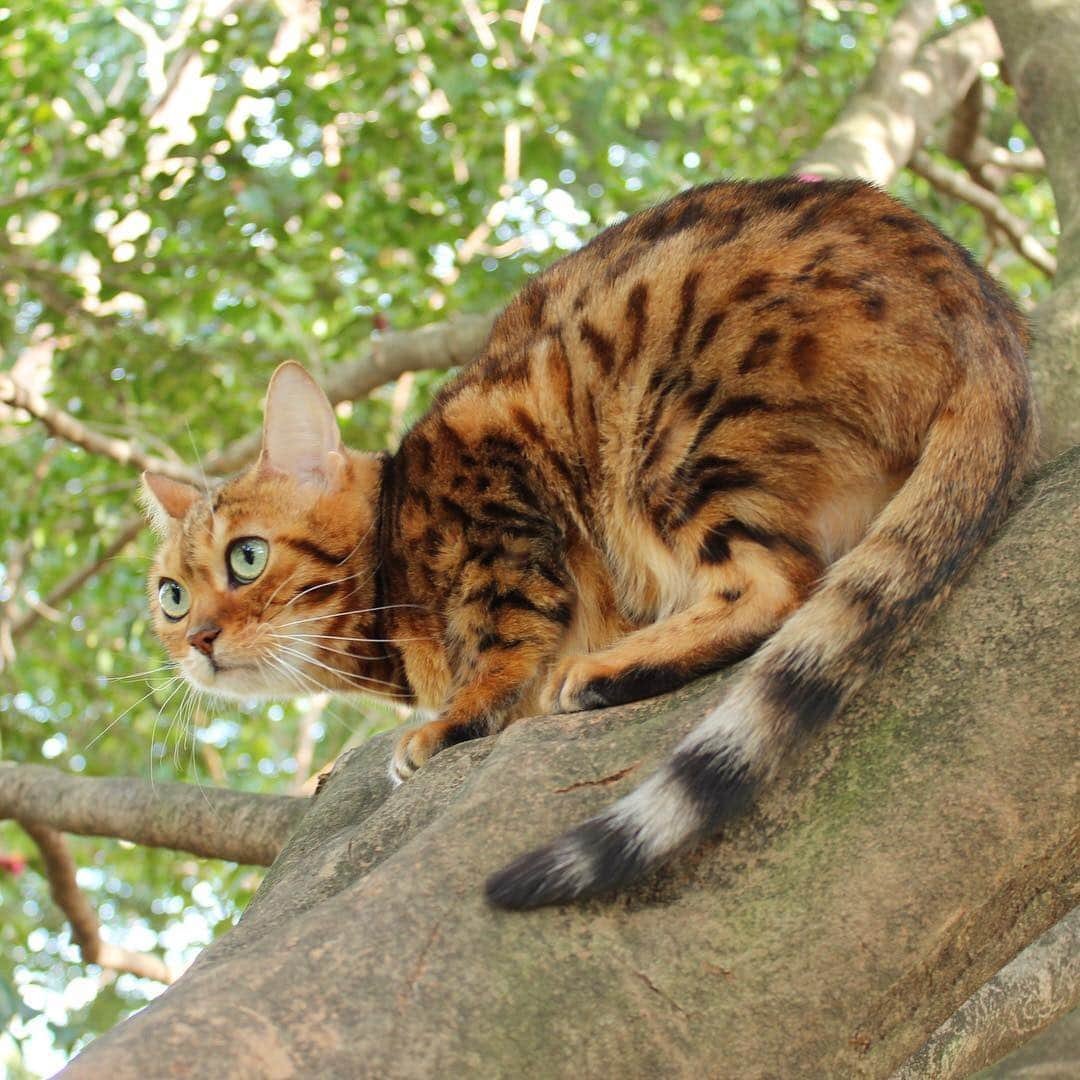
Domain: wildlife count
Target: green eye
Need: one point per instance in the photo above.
(247, 558)
(173, 598)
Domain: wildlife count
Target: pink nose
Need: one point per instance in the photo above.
(203, 639)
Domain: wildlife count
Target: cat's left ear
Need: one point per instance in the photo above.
(300, 431)
(164, 498)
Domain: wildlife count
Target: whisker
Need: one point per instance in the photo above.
(153, 690)
(339, 671)
(330, 648)
(153, 730)
(346, 637)
(358, 611)
(140, 674)
(345, 675)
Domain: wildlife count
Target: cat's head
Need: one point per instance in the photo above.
(250, 581)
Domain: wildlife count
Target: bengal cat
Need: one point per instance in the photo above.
(776, 418)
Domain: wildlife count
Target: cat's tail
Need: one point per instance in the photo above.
(873, 598)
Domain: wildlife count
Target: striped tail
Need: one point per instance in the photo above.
(871, 601)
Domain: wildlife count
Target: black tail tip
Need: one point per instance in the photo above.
(531, 881)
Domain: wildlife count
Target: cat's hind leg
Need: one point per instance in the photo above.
(743, 598)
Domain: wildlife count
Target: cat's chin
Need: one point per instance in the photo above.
(241, 682)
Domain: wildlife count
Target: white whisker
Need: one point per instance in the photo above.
(153, 690)
(358, 611)
(372, 684)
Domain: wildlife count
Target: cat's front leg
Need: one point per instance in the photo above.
(500, 677)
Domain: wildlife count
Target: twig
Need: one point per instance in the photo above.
(85, 928)
(961, 187)
(67, 427)
(208, 821)
(61, 184)
(987, 153)
(74, 581)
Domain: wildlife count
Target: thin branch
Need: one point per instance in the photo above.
(85, 928)
(65, 426)
(961, 187)
(74, 581)
(987, 153)
(208, 821)
(440, 345)
(63, 183)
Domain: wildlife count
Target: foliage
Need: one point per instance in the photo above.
(172, 228)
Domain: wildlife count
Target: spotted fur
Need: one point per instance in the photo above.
(772, 418)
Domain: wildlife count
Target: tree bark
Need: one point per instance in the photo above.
(208, 821)
(909, 854)
(1042, 40)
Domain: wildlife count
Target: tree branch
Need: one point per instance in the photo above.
(74, 581)
(1022, 999)
(961, 187)
(85, 928)
(440, 345)
(212, 822)
(74, 431)
(902, 99)
(1042, 40)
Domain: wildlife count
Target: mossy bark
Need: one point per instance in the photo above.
(903, 859)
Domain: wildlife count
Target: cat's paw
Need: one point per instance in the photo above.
(417, 747)
(414, 749)
(576, 683)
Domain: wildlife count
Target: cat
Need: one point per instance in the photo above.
(772, 419)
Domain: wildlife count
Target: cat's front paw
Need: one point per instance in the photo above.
(414, 749)
(576, 683)
(417, 747)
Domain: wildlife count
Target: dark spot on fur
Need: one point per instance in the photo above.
(900, 221)
(708, 330)
(804, 355)
(688, 295)
(601, 346)
(753, 285)
(806, 697)
(760, 351)
(873, 305)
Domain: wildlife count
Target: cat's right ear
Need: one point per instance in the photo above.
(300, 431)
(165, 499)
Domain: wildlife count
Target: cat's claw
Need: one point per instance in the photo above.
(567, 685)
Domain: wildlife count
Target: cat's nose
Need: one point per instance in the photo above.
(204, 637)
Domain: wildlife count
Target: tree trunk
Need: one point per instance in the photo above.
(897, 865)
(1041, 39)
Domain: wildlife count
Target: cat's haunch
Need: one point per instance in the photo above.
(775, 414)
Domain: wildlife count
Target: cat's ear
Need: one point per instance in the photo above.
(164, 498)
(300, 432)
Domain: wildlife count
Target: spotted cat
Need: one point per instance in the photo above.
(774, 418)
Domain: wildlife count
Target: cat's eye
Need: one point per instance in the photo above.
(173, 598)
(247, 558)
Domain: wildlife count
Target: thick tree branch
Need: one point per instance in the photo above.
(212, 822)
(909, 854)
(902, 99)
(1023, 998)
(1042, 40)
(85, 928)
(961, 187)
